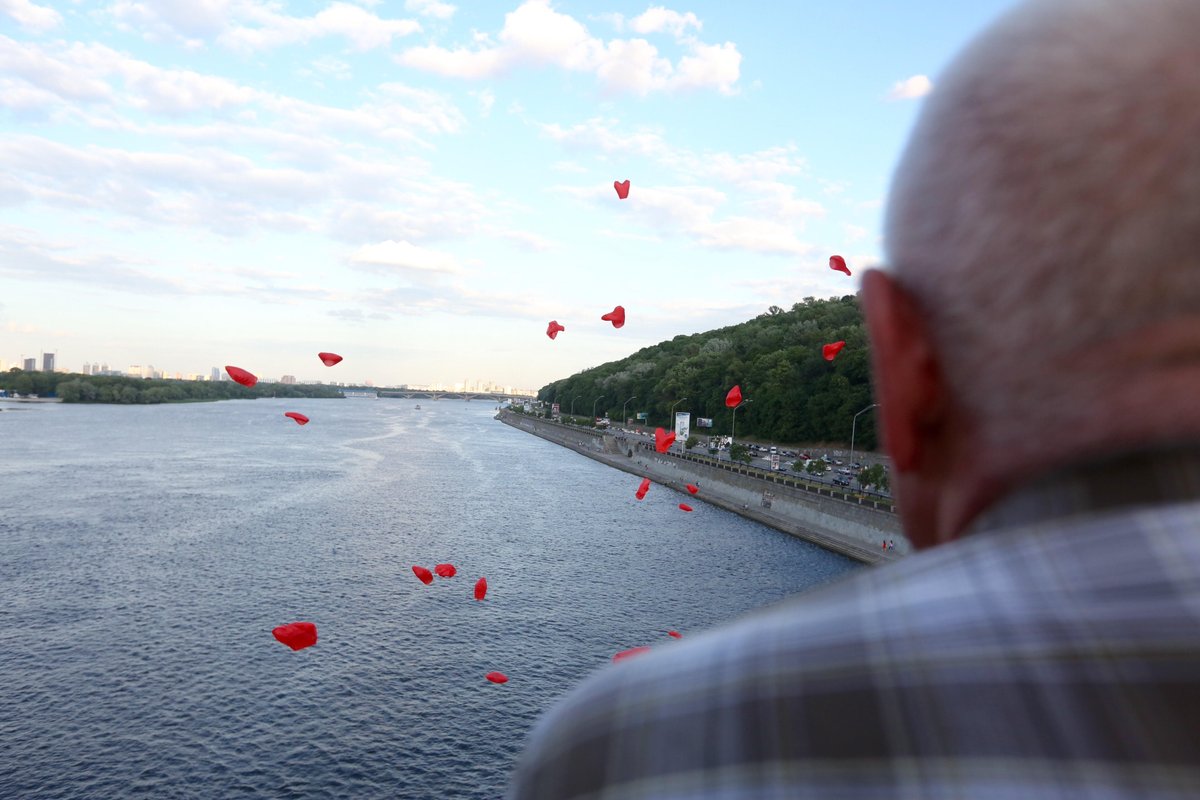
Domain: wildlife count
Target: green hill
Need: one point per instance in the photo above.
(797, 396)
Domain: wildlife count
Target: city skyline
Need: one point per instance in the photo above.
(421, 187)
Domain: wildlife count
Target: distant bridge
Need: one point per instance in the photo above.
(420, 394)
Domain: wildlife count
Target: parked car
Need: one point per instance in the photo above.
(840, 481)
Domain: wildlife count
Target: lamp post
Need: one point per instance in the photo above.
(573, 399)
(597, 400)
(672, 418)
(853, 430)
(627, 402)
(733, 428)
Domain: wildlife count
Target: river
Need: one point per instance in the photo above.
(146, 552)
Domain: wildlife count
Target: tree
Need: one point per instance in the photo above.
(874, 475)
(816, 467)
(798, 465)
(691, 442)
(739, 452)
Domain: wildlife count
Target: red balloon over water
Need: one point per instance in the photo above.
(684, 507)
(643, 488)
(297, 635)
(425, 575)
(630, 653)
(616, 317)
(693, 488)
(481, 588)
(838, 263)
(242, 376)
(663, 440)
(329, 359)
(445, 570)
(622, 188)
(553, 328)
(296, 415)
(830, 351)
(675, 634)
(497, 677)
(734, 397)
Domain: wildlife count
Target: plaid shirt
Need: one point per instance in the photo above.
(1052, 653)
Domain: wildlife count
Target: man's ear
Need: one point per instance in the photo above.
(907, 376)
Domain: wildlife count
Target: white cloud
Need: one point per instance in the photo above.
(30, 15)
(911, 88)
(253, 25)
(486, 99)
(855, 233)
(657, 19)
(430, 8)
(537, 35)
(405, 256)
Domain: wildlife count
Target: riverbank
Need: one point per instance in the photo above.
(839, 522)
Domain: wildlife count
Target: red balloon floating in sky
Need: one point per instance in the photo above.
(616, 317)
(684, 507)
(481, 588)
(445, 570)
(643, 488)
(553, 328)
(838, 263)
(297, 635)
(830, 351)
(622, 188)
(296, 415)
(329, 359)
(734, 397)
(675, 634)
(693, 488)
(425, 575)
(242, 376)
(630, 653)
(497, 677)
(663, 440)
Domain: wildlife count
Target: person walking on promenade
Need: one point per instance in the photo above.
(1036, 356)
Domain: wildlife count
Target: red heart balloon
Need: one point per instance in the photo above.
(329, 359)
(830, 351)
(497, 677)
(297, 635)
(622, 188)
(675, 634)
(425, 575)
(445, 570)
(684, 507)
(643, 488)
(553, 328)
(838, 263)
(734, 397)
(693, 488)
(481, 588)
(296, 415)
(630, 653)
(241, 376)
(663, 440)
(616, 317)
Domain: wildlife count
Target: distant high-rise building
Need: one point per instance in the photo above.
(288, 379)
(95, 369)
(134, 371)
(31, 365)
(216, 374)
(47, 362)
(104, 369)
(87, 368)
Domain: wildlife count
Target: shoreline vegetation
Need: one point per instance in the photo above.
(114, 389)
(793, 394)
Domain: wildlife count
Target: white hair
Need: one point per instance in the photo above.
(1049, 200)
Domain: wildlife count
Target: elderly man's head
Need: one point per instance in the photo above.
(1043, 235)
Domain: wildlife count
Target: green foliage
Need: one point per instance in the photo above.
(75, 388)
(691, 442)
(798, 465)
(775, 358)
(874, 475)
(739, 452)
(816, 467)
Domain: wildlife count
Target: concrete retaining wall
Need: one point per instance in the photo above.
(837, 521)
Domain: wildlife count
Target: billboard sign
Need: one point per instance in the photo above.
(554, 410)
(643, 415)
(774, 460)
(683, 426)
(703, 422)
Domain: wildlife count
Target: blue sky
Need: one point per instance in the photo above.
(421, 186)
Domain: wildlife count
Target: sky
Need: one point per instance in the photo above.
(421, 186)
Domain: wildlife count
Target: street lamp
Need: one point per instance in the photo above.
(853, 430)
(627, 402)
(671, 421)
(733, 428)
(573, 399)
(597, 400)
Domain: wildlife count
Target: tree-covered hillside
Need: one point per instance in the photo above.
(796, 395)
(77, 388)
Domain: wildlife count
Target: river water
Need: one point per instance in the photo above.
(146, 552)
